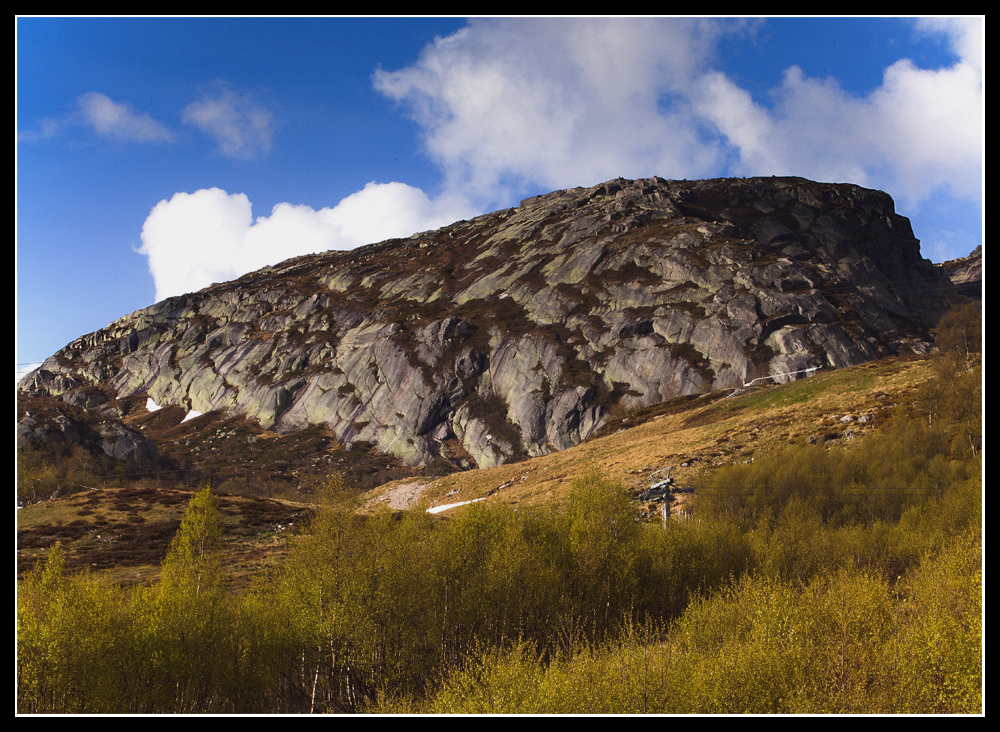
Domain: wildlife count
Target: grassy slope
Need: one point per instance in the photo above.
(695, 434)
(126, 532)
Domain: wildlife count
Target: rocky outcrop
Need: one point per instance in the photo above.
(515, 333)
(97, 429)
(966, 273)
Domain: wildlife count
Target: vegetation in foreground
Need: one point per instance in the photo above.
(818, 580)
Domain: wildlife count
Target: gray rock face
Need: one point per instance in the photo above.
(125, 444)
(107, 432)
(966, 273)
(515, 333)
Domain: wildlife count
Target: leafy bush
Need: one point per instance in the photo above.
(817, 580)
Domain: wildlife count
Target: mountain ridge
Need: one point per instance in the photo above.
(519, 332)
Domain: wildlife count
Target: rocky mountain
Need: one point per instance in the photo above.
(966, 273)
(519, 332)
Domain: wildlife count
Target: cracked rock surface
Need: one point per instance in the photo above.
(516, 333)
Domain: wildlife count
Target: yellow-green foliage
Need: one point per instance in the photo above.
(818, 580)
(847, 642)
(855, 587)
(184, 645)
(59, 468)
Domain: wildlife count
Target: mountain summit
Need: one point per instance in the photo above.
(518, 332)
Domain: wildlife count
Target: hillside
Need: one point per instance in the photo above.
(966, 273)
(833, 565)
(692, 435)
(512, 335)
(126, 532)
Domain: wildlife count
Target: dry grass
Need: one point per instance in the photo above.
(695, 435)
(125, 533)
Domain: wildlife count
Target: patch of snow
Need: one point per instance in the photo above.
(445, 507)
(151, 406)
(191, 415)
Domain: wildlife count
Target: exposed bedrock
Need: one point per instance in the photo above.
(515, 333)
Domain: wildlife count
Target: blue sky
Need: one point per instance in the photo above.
(158, 155)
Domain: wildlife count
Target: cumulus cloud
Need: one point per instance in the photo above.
(195, 239)
(509, 104)
(566, 102)
(966, 35)
(241, 127)
(920, 131)
(558, 102)
(930, 127)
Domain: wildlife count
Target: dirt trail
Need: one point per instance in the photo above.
(403, 496)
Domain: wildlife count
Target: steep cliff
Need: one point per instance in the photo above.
(516, 333)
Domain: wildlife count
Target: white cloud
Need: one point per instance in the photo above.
(931, 125)
(119, 121)
(107, 118)
(48, 127)
(195, 239)
(558, 102)
(814, 130)
(509, 103)
(966, 35)
(241, 127)
(920, 131)
(567, 102)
